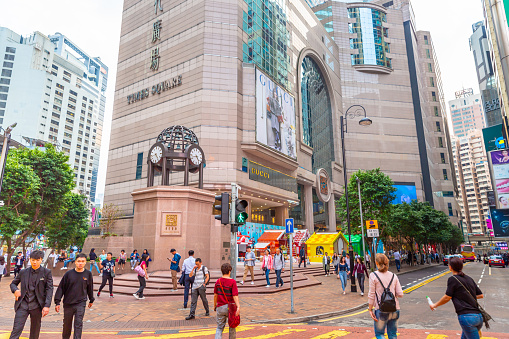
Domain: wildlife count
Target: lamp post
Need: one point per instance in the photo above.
(5, 150)
(360, 209)
(351, 113)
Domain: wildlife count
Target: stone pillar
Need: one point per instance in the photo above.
(177, 217)
(282, 213)
(308, 201)
(331, 210)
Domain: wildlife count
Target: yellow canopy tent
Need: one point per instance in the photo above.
(319, 243)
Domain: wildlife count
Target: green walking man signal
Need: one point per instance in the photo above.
(240, 212)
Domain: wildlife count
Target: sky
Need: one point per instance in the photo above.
(94, 25)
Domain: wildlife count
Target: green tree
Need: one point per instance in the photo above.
(44, 177)
(377, 193)
(70, 226)
(110, 213)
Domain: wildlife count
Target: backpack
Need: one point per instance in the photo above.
(191, 279)
(387, 302)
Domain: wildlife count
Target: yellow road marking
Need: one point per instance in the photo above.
(385, 336)
(413, 288)
(332, 335)
(343, 316)
(276, 334)
(436, 336)
(490, 270)
(198, 333)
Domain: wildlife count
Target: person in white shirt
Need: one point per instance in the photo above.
(187, 267)
(397, 259)
(201, 279)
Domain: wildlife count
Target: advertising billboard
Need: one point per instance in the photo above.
(500, 176)
(275, 116)
(500, 222)
(405, 193)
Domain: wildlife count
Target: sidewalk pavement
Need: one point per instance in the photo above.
(124, 312)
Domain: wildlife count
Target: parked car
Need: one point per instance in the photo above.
(496, 260)
(446, 259)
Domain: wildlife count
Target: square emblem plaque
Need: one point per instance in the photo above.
(171, 223)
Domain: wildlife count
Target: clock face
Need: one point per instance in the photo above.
(156, 154)
(195, 156)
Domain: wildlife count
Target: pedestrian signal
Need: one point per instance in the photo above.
(240, 212)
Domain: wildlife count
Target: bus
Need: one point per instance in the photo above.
(467, 251)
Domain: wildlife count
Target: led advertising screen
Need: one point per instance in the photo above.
(500, 222)
(500, 177)
(405, 193)
(275, 116)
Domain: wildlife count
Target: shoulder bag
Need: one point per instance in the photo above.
(233, 319)
(485, 316)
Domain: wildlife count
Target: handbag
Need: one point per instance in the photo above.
(233, 319)
(140, 271)
(112, 274)
(485, 316)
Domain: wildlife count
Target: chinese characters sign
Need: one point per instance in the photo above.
(171, 223)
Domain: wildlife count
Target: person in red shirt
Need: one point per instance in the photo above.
(229, 287)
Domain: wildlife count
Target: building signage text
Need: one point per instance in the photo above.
(158, 88)
(491, 105)
(272, 177)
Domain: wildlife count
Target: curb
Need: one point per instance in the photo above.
(328, 314)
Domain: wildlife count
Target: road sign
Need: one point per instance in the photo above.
(289, 225)
(1, 203)
(373, 233)
(372, 224)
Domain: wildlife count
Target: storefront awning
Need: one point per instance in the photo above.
(272, 235)
(261, 245)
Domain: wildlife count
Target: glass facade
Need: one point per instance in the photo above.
(268, 38)
(317, 115)
(320, 214)
(371, 36)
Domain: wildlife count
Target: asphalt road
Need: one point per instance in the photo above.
(415, 312)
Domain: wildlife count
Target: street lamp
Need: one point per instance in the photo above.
(5, 150)
(351, 113)
(362, 221)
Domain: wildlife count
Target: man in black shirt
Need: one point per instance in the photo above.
(75, 286)
(34, 299)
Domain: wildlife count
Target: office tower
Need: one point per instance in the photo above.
(466, 112)
(55, 92)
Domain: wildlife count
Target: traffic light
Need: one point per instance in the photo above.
(240, 212)
(224, 208)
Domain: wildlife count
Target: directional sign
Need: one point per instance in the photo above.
(289, 225)
(1, 202)
(372, 224)
(373, 233)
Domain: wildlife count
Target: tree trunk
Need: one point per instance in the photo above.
(9, 255)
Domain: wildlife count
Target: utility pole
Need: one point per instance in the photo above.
(234, 230)
(5, 150)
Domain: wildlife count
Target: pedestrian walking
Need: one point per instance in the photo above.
(18, 263)
(397, 259)
(141, 269)
(343, 273)
(368, 260)
(93, 263)
(187, 267)
(135, 257)
(267, 265)
(2, 266)
(122, 259)
(174, 268)
(76, 287)
(201, 276)
(225, 290)
(279, 266)
(384, 291)
(326, 264)
(108, 268)
(53, 256)
(302, 256)
(249, 264)
(358, 270)
(335, 263)
(464, 293)
(71, 259)
(34, 298)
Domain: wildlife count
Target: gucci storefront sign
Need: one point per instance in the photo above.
(272, 177)
(156, 89)
(171, 223)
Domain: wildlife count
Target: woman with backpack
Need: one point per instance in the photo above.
(141, 269)
(461, 289)
(343, 273)
(326, 264)
(384, 291)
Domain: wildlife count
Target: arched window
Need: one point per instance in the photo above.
(317, 115)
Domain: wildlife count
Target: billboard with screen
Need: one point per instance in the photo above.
(275, 116)
(405, 193)
(500, 222)
(500, 176)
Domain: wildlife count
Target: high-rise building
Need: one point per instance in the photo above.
(466, 113)
(480, 47)
(392, 70)
(473, 177)
(56, 93)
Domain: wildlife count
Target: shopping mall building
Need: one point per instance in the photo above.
(263, 84)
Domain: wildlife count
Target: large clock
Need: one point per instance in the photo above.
(196, 156)
(156, 154)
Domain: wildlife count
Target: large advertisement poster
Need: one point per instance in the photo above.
(405, 193)
(500, 221)
(500, 177)
(275, 116)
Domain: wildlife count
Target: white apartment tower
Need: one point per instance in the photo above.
(473, 177)
(56, 93)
